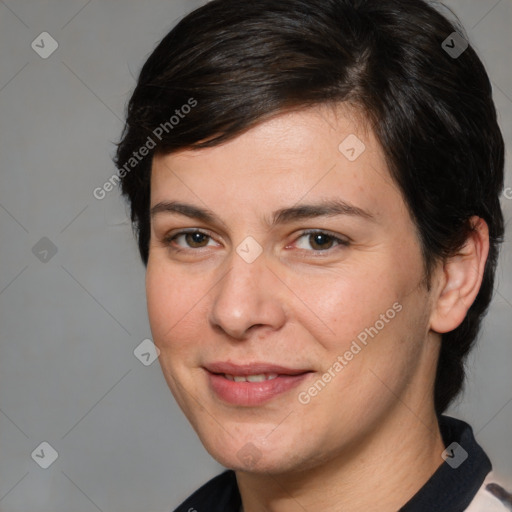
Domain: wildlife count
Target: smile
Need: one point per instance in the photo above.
(252, 384)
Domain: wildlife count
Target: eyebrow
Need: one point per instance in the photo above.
(329, 208)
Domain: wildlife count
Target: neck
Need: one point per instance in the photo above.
(382, 472)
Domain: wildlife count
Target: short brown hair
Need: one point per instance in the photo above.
(432, 112)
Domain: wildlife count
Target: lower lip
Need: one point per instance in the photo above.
(253, 393)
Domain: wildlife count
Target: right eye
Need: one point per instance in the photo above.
(193, 239)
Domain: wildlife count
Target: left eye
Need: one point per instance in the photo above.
(320, 241)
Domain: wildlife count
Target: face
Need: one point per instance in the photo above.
(284, 291)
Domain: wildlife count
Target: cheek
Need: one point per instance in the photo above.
(172, 310)
(168, 301)
(159, 298)
(375, 318)
(338, 306)
(177, 305)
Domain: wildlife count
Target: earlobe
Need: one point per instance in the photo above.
(462, 276)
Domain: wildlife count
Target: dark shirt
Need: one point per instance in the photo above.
(449, 489)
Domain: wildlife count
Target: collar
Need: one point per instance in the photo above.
(449, 489)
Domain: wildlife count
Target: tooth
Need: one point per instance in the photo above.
(256, 378)
(251, 378)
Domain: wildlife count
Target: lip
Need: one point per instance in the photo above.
(252, 393)
(252, 369)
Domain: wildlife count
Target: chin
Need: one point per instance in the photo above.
(255, 454)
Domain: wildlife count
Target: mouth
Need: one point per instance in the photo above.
(252, 384)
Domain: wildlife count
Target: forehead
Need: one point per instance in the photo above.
(315, 153)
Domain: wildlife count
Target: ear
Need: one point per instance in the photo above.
(460, 280)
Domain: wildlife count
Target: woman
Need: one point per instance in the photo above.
(315, 188)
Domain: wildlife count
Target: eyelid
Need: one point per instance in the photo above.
(181, 231)
(337, 236)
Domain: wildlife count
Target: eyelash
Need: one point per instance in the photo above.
(339, 241)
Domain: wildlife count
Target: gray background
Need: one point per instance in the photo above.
(70, 324)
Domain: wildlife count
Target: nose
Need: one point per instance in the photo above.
(247, 299)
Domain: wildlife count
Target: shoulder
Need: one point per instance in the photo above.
(495, 495)
(220, 494)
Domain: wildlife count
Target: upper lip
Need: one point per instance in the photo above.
(256, 368)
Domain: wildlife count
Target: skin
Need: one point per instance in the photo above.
(300, 304)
